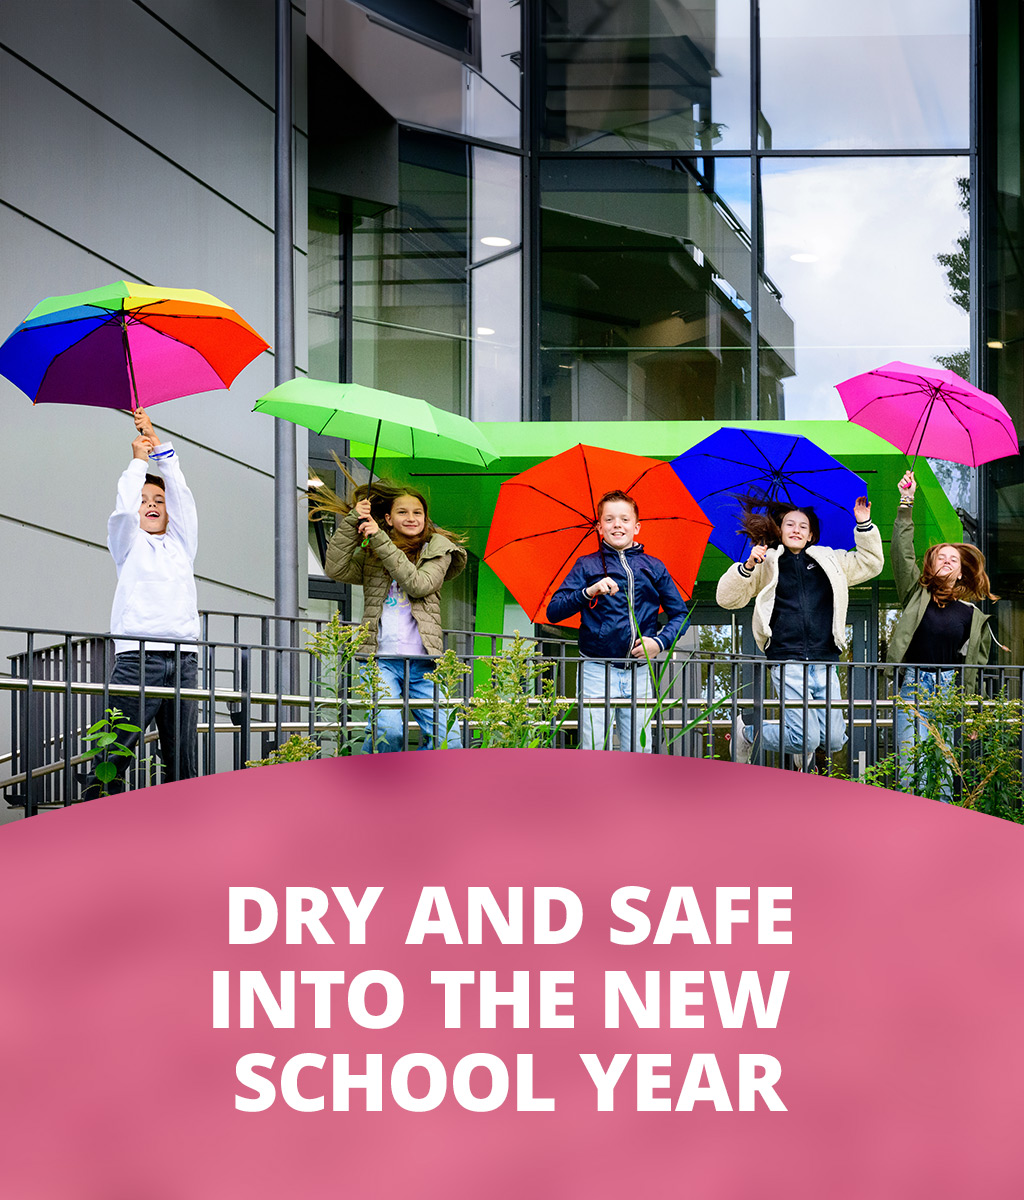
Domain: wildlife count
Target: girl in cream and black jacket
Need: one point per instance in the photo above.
(801, 593)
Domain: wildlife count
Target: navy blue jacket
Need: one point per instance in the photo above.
(607, 629)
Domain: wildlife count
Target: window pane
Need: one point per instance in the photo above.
(410, 290)
(852, 247)
(325, 269)
(876, 74)
(645, 284)
(646, 74)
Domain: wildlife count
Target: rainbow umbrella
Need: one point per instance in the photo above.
(126, 345)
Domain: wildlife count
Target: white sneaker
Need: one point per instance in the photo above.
(742, 746)
(805, 762)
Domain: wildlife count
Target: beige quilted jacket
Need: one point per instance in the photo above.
(440, 559)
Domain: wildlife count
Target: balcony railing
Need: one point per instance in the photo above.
(254, 694)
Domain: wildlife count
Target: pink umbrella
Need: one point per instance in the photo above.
(924, 410)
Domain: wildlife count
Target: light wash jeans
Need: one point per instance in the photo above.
(623, 684)
(917, 684)
(391, 722)
(788, 681)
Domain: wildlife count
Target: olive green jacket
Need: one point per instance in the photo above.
(440, 559)
(914, 598)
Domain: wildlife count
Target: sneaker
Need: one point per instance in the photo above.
(742, 746)
(806, 762)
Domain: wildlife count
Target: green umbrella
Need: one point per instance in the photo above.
(401, 424)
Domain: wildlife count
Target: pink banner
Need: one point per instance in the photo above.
(501, 973)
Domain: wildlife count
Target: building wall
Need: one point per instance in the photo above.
(137, 142)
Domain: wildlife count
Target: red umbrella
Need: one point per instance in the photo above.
(924, 410)
(545, 517)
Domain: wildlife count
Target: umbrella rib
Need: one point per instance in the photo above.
(547, 496)
(180, 342)
(540, 533)
(560, 571)
(70, 346)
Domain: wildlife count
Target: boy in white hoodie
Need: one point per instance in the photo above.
(152, 535)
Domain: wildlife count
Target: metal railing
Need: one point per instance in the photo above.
(58, 688)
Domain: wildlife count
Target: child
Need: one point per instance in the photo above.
(152, 535)
(618, 591)
(800, 591)
(938, 628)
(401, 566)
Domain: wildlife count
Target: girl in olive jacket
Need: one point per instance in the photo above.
(939, 629)
(388, 543)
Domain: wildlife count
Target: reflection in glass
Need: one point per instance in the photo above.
(496, 345)
(496, 202)
(852, 248)
(1002, 357)
(872, 75)
(325, 267)
(645, 293)
(646, 75)
(410, 292)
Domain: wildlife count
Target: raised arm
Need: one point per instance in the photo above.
(182, 518)
(123, 522)
(906, 570)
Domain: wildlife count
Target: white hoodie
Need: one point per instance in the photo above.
(156, 590)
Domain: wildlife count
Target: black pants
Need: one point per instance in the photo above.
(179, 749)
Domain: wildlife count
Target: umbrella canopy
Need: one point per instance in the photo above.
(924, 410)
(127, 344)
(545, 518)
(771, 466)
(401, 424)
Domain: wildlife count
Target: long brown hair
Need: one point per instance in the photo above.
(762, 520)
(382, 494)
(973, 583)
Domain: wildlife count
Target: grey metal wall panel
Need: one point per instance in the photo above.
(193, 113)
(106, 191)
(239, 35)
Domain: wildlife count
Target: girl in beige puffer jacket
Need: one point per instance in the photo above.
(387, 543)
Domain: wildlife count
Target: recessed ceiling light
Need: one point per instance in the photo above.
(483, 331)
(496, 241)
(804, 258)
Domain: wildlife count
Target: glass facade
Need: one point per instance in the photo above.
(1001, 354)
(689, 209)
(645, 292)
(436, 281)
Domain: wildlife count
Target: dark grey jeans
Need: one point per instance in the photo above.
(179, 747)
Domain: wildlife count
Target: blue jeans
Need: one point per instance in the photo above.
(179, 749)
(390, 722)
(917, 684)
(623, 684)
(822, 684)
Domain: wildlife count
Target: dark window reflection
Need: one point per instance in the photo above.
(410, 290)
(645, 285)
(646, 74)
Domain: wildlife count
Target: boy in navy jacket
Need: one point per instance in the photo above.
(618, 591)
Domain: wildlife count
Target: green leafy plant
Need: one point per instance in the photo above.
(447, 675)
(337, 681)
(107, 745)
(296, 749)
(970, 754)
(510, 709)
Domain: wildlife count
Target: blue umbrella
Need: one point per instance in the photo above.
(772, 467)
